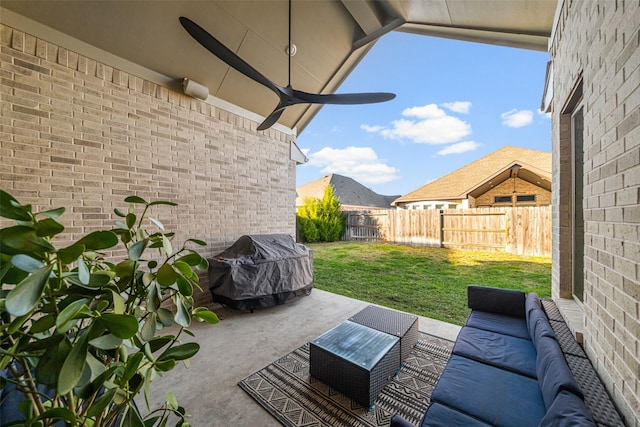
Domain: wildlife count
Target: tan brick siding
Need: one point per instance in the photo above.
(599, 41)
(77, 133)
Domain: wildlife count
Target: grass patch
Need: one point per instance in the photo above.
(430, 282)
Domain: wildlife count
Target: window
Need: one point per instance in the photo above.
(577, 134)
(502, 199)
(439, 206)
(526, 198)
(453, 206)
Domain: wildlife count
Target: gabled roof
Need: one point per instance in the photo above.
(492, 169)
(349, 191)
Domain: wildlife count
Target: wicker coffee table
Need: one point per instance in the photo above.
(354, 359)
(359, 356)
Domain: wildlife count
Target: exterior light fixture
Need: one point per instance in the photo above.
(195, 89)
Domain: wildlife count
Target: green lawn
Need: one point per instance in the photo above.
(430, 282)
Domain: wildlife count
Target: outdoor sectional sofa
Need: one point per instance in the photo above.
(506, 369)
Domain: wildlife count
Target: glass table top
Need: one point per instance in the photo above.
(356, 343)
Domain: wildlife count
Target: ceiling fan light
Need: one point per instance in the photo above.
(195, 89)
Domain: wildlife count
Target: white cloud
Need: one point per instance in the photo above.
(359, 163)
(458, 106)
(371, 129)
(458, 148)
(517, 118)
(543, 114)
(433, 126)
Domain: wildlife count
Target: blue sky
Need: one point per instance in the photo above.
(455, 102)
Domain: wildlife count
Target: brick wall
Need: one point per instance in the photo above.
(78, 133)
(597, 42)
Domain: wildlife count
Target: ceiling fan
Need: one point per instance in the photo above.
(288, 95)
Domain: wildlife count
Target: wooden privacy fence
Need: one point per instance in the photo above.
(519, 230)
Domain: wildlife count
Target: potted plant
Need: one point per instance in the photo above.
(81, 334)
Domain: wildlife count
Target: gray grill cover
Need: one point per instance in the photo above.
(261, 271)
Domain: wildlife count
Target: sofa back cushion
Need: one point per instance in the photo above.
(509, 302)
(553, 372)
(567, 410)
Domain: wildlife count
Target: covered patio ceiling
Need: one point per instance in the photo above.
(331, 37)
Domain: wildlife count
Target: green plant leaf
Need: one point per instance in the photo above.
(165, 316)
(181, 352)
(132, 418)
(43, 324)
(48, 227)
(136, 250)
(73, 366)
(166, 275)
(203, 265)
(119, 213)
(159, 342)
(52, 213)
(192, 259)
(49, 363)
(121, 325)
(166, 245)
(101, 403)
(197, 242)
(125, 268)
(162, 202)
(44, 343)
(171, 401)
(148, 330)
(59, 414)
(135, 199)
(183, 268)
(70, 253)
(165, 365)
(204, 315)
(131, 220)
(66, 318)
(121, 225)
(118, 303)
(106, 342)
(98, 240)
(83, 272)
(12, 209)
(26, 295)
(182, 317)
(132, 366)
(96, 281)
(21, 239)
(184, 286)
(157, 223)
(26, 263)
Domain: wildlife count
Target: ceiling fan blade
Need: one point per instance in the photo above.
(223, 53)
(272, 118)
(343, 98)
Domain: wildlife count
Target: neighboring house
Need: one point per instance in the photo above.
(352, 194)
(510, 176)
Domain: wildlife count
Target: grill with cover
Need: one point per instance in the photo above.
(261, 271)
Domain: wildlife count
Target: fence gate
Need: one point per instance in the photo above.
(366, 226)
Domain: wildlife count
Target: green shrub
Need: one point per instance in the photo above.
(321, 220)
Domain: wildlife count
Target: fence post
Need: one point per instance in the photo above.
(441, 228)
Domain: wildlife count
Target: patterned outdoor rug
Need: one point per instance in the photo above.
(293, 397)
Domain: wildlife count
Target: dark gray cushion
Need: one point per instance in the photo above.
(503, 351)
(442, 416)
(496, 300)
(398, 421)
(500, 323)
(490, 394)
(554, 374)
(567, 410)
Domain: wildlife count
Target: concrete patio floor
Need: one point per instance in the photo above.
(243, 343)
